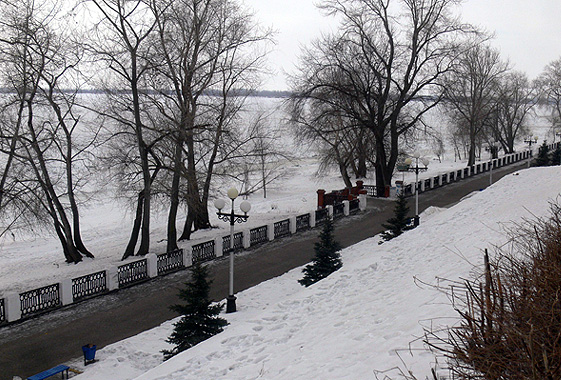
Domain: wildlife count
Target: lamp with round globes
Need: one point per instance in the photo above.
(232, 218)
(232, 193)
(530, 140)
(408, 162)
(493, 152)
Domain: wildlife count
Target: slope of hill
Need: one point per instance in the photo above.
(365, 320)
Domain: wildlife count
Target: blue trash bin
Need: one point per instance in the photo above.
(89, 353)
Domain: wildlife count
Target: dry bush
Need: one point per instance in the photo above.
(510, 317)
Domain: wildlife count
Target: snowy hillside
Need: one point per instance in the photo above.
(363, 320)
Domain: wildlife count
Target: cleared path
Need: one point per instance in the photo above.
(43, 342)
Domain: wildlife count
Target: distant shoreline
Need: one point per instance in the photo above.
(242, 92)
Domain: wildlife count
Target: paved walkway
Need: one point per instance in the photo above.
(35, 345)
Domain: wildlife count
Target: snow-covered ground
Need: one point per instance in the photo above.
(365, 321)
(34, 260)
(247, 349)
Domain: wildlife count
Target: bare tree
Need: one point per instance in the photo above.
(339, 141)
(264, 155)
(515, 98)
(207, 51)
(119, 39)
(379, 67)
(43, 138)
(550, 84)
(471, 93)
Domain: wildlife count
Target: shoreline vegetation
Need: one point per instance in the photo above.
(241, 92)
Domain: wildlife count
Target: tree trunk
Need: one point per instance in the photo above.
(72, 199)
(197, 217)
(129, 250)
(174, 194)
(345, 174)
(146, 205)
(471, 154)
(361, 165)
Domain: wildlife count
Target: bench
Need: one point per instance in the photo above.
(50, 372)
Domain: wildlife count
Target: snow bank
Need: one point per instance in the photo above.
(367, 317)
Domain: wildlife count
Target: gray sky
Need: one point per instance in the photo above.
(528, 32)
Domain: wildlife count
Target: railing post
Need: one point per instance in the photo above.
(313, 214)
(112, 278)
(423, 185)
(65, 288)
(432, 182)
(361, 204)
(321, 196)
(152, 265)
(346, 208)
(271, 232)
(469, 171)
(188, 256)
(246, 239)
(293, 224)
(12, 307)
(330, 211)
(219, 246)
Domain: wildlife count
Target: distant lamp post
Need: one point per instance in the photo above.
(232, 218)
(530, 140)
(417, 169)
(493, 149)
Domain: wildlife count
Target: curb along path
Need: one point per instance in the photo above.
(35, 345)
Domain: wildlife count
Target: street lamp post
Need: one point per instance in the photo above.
(232, 218)
(530, 140)
(493, 151)
(417, 169)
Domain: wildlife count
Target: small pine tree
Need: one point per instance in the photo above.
(543, 155)
(556, 156)
(200, 318)
(399, 222)
(327, 258)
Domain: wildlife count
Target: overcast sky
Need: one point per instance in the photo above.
(528, 32)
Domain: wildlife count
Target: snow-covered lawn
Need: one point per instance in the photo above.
(35, 260)
(367, 318)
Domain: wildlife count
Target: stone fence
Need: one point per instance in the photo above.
(16, 307)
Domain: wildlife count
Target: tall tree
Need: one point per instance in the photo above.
(376, 70)
(45, 141)
(400, 222)
(515, 98)
(200, 318)
(265, 155)
(543, 158)
(556, 156)
(327, 258)
(471, 92)
(550, 84)
(119, 39)
(207, 51)
(339, 141)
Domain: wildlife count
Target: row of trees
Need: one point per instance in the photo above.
(363, 89)
(173, 74)
(170, 123)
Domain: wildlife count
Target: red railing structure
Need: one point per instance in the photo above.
(338, 196)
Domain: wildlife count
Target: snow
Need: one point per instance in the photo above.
(34, 259)
(365, 321)
(367, 317)
(106, 226)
